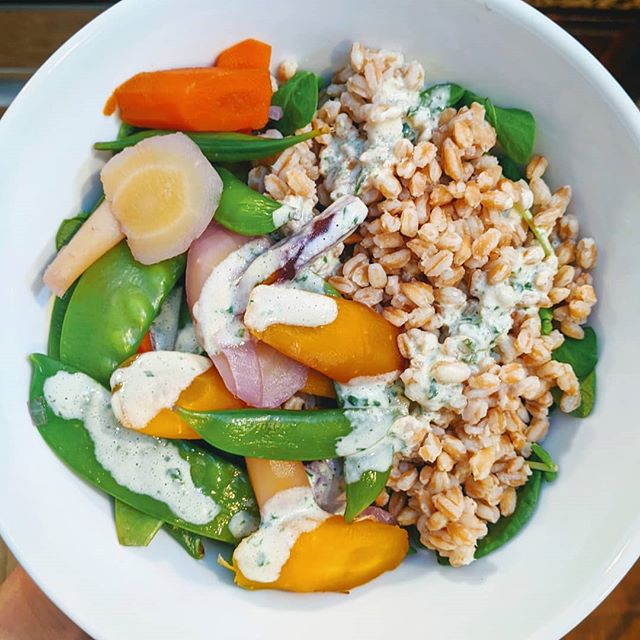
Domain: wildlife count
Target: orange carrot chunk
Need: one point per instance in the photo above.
(196, 99)
(248, 54)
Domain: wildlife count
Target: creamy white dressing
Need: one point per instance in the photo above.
(371, 405)
(424, 118)
(358, 158)
(343, 217)
(187, 340)
(164, 328)
(474, 328)
(285, 516)
(242, 524)
(273, 304)
(282, 215)
(152, 382)
(216, 311)
(144, 465)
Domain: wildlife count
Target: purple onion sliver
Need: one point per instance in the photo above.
(275, 112)
(378, 515)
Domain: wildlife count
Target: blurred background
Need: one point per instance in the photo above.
(30, 32)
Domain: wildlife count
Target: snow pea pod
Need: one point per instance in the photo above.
(276, 434)
(66, 231)
(58, 313)
(137, 529)
(111, 309)
(219, 147)
(243, 210)
(508, 528)
(362, 493)
(190, 542)
(133, 527)
(226, 484)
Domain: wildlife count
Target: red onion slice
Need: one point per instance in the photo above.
(275, 112)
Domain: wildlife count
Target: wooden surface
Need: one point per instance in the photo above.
(27, 39)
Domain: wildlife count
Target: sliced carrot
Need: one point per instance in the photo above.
(337, 556)
(248, 54)
(269, 477)
(359, 342)
(196, 99)
(318, 384)
(146, 344)
(207, 392)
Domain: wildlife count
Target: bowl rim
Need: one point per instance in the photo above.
(530, 19)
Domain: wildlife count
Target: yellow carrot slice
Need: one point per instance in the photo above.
(359, 342)
(95, 237)
(337, 556)
(333, 556)
(163, 192)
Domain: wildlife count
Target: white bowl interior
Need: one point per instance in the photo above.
(585, 534)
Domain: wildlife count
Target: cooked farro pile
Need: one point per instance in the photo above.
(446, 255)
(366, 293)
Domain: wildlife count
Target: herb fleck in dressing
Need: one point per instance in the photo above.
(143, 464)
(151, 383)
(272, 304)
(285, 516)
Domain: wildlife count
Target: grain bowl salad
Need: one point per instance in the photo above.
(325, 321)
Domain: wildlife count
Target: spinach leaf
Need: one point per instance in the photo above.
(546, 318)
(508, 528)
(544, 462)
(510, 169)
(515, 128)
(516, 131)
(582, 355)
(588, 395)
(298, 98)
(444, 95)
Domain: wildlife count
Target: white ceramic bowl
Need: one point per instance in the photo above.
(585, 535)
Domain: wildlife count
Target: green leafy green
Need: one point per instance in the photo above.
(542, 461)
(438, 97)
(515, 128)
(546, 318)
(588, 395)
(508, 528)
(582, 355)
(298, 98)
(510, 169)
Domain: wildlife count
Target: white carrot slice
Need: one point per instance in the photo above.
(163, 192)
(95, 237)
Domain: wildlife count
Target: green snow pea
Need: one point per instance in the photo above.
(58, 313)
(137, 529)
(111, 309)
(133, 527)
(219, 147)
(243, 210)
(66, 231)
(190, 542)
(224, 482)
(275, 434)
(362, 493)
(508, 528)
